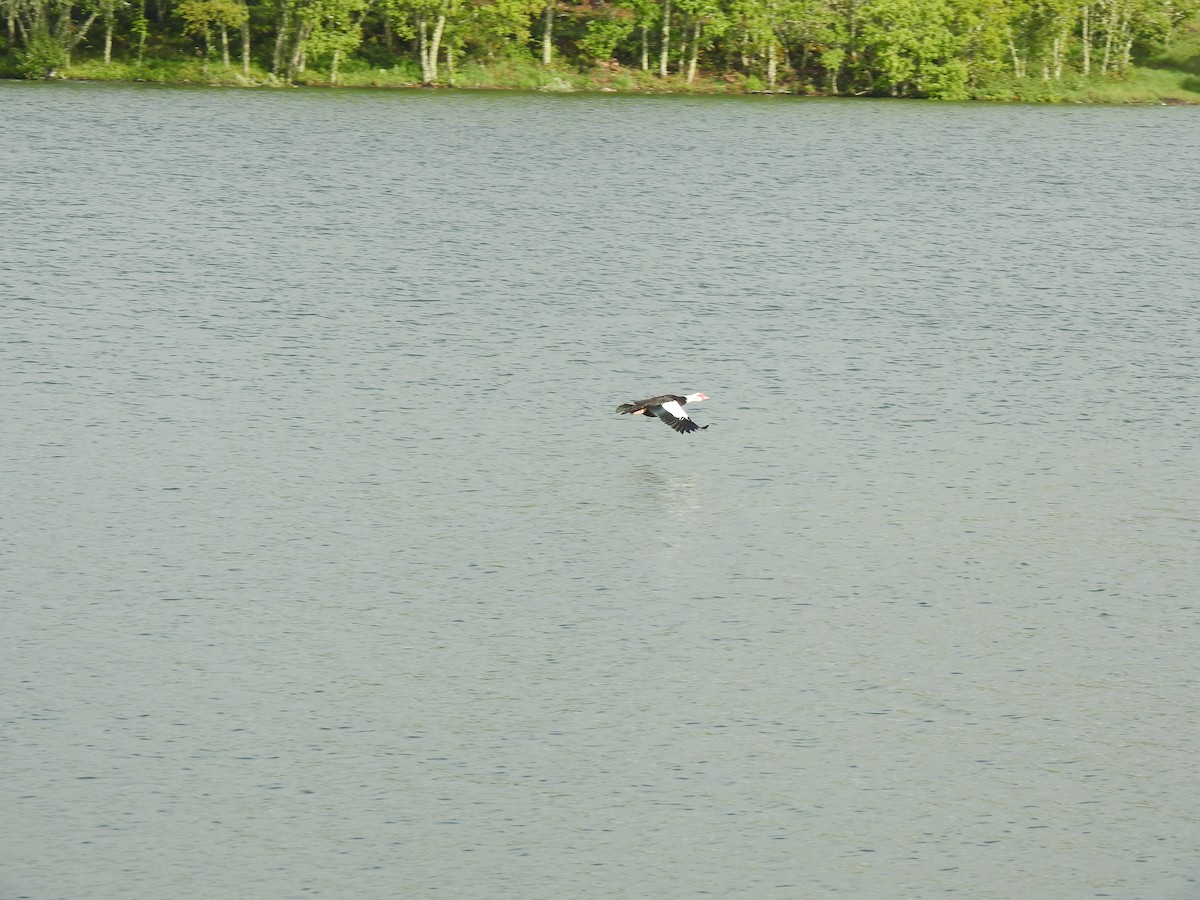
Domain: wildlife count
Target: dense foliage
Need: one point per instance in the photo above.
(919, 48)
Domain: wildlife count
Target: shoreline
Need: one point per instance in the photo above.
(1148, 86)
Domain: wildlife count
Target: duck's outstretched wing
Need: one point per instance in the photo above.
(672, 413)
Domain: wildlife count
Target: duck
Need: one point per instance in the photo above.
(668, 408)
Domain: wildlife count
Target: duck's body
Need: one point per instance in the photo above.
(669, 408)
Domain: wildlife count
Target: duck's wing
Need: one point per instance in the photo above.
(672, 413)
(650, 406)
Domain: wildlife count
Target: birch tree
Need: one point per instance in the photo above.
(332, 28)
(767, 32)
(427, 21)
(664, 54)
(108, 15)
(47, 31)
(202, 17)
(935, 48)
(704, 20)
(548, 33)
(1040, 33)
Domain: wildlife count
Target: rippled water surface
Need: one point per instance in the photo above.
(329, 570)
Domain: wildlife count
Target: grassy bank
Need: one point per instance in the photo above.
(501, 75)
(1171, 77)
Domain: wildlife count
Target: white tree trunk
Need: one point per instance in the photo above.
(1109, 34)
(423, 49)
(1018, 63)
(666, 39)
(435, 44)
(281, 36)
(1086, 39)
(1126, 59)
(428, 48)
(297, 61)
(695, 57)
(71, 37)
(246, 47)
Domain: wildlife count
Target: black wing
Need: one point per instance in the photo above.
(672, 413)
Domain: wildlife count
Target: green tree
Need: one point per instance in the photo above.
(46, 32)
(617, 27)
(201, 17)
(108, 15)
(606, 29)
(703, 21)
(911, 48)
(767, 32)
(982, 26)
(333, 29)
(428, 22)
(1040, 34)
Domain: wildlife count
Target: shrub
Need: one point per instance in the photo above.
(42, 58)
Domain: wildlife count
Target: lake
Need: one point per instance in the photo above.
(328, 568)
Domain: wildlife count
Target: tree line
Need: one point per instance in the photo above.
(913, 48)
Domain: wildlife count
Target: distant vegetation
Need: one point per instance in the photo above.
(1107, 50)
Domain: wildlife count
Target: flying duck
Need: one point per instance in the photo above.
(669, 408)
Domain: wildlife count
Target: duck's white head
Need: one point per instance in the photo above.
(696, 398)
